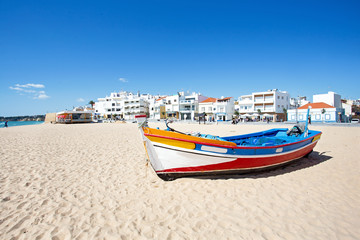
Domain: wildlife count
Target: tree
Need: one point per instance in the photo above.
(92, 103)
(285, 113)
(323, 111)
(236, 113)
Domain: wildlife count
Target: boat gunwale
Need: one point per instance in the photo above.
(232, 147)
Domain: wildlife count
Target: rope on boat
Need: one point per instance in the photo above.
(171, 129)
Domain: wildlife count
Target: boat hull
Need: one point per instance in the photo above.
(176, 160)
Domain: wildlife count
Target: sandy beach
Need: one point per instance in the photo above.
(91, 181)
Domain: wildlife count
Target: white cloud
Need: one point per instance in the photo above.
(30, 89)
(41, 96)
(123, 80)
(29, 85)
(80, 100)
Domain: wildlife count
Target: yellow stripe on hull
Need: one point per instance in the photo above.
(172, 142)
(316, 138)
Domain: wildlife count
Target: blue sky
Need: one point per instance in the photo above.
(58, 54)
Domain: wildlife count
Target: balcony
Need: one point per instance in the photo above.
(182, 102)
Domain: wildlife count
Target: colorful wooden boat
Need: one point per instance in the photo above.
(173, 154)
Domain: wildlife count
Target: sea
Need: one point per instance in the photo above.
(20, 123)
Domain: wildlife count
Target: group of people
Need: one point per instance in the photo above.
(237, 120)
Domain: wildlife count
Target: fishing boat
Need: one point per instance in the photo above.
(174, 154)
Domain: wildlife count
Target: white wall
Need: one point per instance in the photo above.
(330, 98)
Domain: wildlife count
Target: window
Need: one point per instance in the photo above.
(278, 97)
(118, 109)
(209, 109)
(113, 104)
(113, 109)
(174, 100)
(327, 116)
(278, 106)
(282, 97)
(203, 109)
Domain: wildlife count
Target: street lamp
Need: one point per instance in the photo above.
(296, 109)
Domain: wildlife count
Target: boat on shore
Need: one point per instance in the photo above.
(174, 154)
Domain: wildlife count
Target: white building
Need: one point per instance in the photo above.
(189, 105)
(269, 104)
(208, 106)
(183, 106)
(157, 107)
(218, 109)
(319, 112)
(122, 105)
(298, 102)
(330, 98)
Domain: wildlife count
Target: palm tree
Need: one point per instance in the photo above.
(323, 111)
(92, 103)
(285, 113)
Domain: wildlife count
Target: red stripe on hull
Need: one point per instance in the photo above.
(244, 163)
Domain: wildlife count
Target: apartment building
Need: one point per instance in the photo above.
(122, 105)
(269, 104)
(330, 98)
(157, 107)
(183, 105)
(218, 109)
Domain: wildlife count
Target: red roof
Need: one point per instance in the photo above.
(316, 105)
(210, 99)
(160, 98)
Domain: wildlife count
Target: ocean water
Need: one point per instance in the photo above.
(20, 123)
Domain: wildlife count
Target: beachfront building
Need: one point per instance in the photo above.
(258, 105)
(298, 102)
(208, 106)
(224, 109)
(77, 115)
(319, 112)
(330, 98)
(172, 106)
(217, 109)
(183, 105)
(122, 105)
(347, 106)
(157, 107)
(189, 105)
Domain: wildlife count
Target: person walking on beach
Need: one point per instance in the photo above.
(6, 124)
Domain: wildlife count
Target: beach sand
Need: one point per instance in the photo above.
(91, 181)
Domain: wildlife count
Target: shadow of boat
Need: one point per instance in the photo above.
(311, 160)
